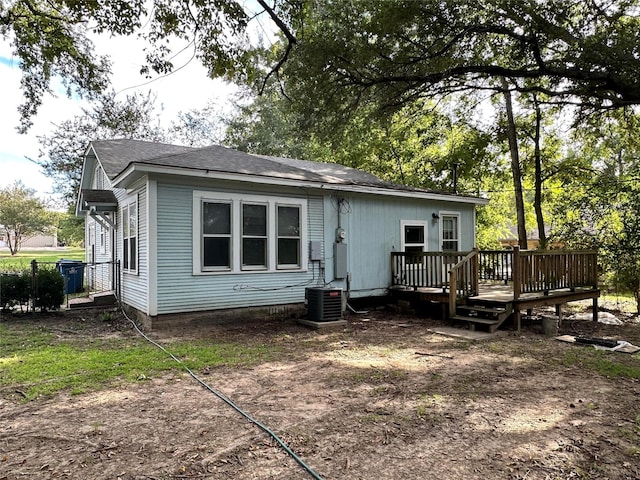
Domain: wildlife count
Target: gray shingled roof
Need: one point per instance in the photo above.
(116, 155)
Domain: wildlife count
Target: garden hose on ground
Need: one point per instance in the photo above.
(225, 399)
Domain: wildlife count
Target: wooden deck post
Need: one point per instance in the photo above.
(517, 284)
(394, 274)
(559, 313)
(475, 271)
(515, 272)
(453, 291)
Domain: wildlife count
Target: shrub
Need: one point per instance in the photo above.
(50, 294)
(15, 289)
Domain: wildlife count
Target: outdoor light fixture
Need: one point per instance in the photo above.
(435, 216)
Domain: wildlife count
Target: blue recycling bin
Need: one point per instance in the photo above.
(73, 273)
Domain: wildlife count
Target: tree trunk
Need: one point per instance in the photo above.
(12, 243)
(516, 170)
(537, 202)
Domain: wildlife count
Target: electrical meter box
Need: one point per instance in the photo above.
(339, 260)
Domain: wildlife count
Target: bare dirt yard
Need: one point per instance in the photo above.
(383, 398)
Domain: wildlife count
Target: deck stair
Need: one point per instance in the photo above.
(489, 314)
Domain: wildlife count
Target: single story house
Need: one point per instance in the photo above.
(214, 229)
(39, 240)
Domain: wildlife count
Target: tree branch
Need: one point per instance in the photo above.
(291, 41)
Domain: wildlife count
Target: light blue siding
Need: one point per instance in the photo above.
(373, 231)
(179, 290)
(134, 285)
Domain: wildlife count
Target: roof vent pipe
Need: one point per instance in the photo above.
(455, 177)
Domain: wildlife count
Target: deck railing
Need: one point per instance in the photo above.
(463, 279)
(423, 269)
(545, 270)
(530, 271)
(495, 265)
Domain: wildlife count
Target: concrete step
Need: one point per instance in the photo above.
(103, 299)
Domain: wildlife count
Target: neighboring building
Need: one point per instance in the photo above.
(33, 241)
(200, 229)
(533, 241)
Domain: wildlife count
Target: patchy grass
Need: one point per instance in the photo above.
(604, 363)
(35, 364)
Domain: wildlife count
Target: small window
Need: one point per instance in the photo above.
(103, 242)
(254, 236)
(288, 229)
(414, 241)
(99, 178)
(216, 233)
(130, 236)
(450, 235)
(414, 234)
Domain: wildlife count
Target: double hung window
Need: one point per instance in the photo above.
(130, 235)
(247, 233)
(216, 235)
(288, 236)
(254, 236)
(450, 233)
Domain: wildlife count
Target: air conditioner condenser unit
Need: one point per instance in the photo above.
(323, 304)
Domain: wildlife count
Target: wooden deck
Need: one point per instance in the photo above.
(491, 287)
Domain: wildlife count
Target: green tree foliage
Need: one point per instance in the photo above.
(70, 229)
(268, 125)
(52, 39)
(390, 52)
(62, 151)
(199, 127)
(22, 215)
(418, 146)
(601, 207)
(344, 53)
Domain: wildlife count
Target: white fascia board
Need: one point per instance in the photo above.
(405, 193)
(83, 179)
(123, 180)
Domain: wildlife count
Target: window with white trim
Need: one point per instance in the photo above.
(247, 233)
(254, 248)
(450, 232)
(216, 235)
(414, 239)
(130, 235)
(288, 236)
